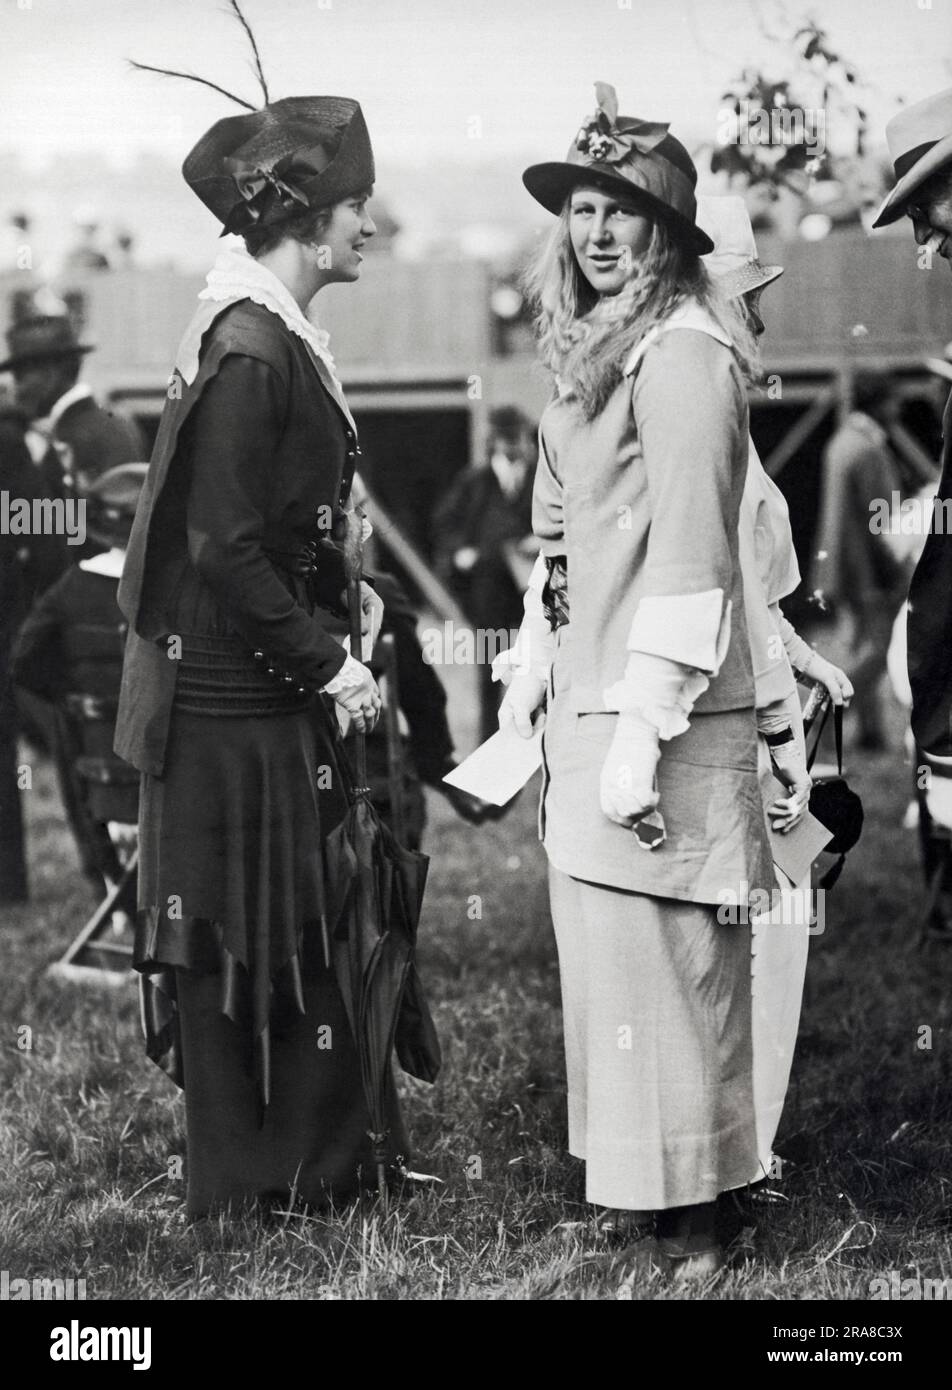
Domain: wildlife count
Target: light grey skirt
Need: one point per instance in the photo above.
(656, 1005)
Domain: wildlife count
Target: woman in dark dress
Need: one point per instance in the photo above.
(234, 596)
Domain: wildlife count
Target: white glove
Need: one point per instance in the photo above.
(836, 681)
(524, 697)
(791, 769)
(534, 651)
(355, 691)
(627, 786)
(808, 662)
(658, 689)
(654, 699)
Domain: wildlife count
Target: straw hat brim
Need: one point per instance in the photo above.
(894, 206)
(550, 184)
(745, 278)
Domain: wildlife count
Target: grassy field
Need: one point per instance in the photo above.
(90, 1130)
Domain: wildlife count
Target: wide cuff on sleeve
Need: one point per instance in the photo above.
(693, 629)
(660, 691)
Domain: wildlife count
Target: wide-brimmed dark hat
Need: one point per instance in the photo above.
(624, 155)
(43, 338)
(111, 503)
(920, 143)
(260, 168)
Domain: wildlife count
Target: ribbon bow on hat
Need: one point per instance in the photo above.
(609, 140)
(256, 185)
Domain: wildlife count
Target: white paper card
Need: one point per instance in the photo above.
(795, 852)
(500, 767)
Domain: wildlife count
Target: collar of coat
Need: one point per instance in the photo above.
(688, 314)
(236, 276)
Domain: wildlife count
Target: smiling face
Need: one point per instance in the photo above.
(608, 237)
(338, 244)
(931, 214)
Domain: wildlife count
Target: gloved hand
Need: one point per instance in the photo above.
(789, 764)
(627, 785)
(355, 690)
(534, 651)
(836, 681)
(523, 698)
(808, 662)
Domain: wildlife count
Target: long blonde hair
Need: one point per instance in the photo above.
(585, 339)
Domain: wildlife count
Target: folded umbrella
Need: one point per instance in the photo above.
(375, 897)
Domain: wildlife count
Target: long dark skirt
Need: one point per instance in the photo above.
(239, 1006)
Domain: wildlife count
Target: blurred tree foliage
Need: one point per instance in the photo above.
(784, 132)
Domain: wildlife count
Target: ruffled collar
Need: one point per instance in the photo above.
(237, 275)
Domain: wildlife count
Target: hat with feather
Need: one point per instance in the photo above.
(263, 167)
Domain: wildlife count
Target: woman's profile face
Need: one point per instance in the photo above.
(338, 245)
(608, 237)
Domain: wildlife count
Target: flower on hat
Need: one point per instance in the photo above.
(609, 140)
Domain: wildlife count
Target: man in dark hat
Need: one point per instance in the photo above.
(71, 438)
(920, 142)
(72, 642)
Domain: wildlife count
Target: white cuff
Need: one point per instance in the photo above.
(693, 629)
(534, 651)
(350, 674)
(662, 692)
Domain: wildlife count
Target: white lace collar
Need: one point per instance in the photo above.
(237, 275)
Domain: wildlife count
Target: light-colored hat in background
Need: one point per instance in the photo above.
(942, 366)
(920, 142)
(733, 262)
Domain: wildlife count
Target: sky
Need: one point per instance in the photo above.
(470, 83)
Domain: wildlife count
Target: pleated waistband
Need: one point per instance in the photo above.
(218, 675)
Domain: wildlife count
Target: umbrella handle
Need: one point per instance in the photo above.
(356, 647)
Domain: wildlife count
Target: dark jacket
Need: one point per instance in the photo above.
(855, 567)
(929, 630)
(476, 512)
(290, 462)
(72, 639)
(31, 562)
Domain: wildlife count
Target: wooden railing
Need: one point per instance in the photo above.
(850, 296)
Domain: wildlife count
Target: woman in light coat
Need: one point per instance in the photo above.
(635, 640)
(779, 940)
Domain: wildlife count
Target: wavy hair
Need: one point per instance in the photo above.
(585, 339)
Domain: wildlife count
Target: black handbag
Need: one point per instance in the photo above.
(832, 801)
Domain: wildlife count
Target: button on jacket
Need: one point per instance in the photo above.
(271, 485)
